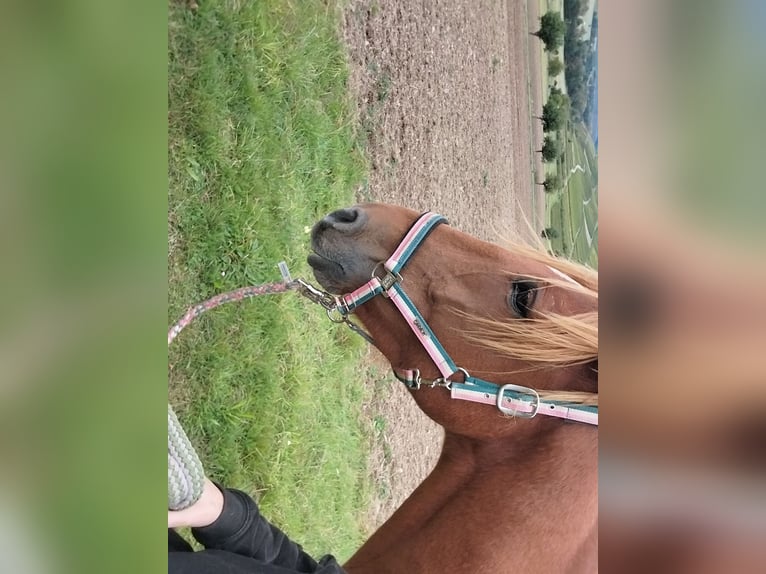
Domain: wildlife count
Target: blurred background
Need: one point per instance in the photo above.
(83, 239)
(83, 236)
(683, 433)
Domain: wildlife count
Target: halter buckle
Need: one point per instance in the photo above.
(388, 280)
(519, 389)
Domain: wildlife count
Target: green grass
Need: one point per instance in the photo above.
(567, 211)
(261, 144)
(564, 209)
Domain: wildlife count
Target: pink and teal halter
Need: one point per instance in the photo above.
(515, 400)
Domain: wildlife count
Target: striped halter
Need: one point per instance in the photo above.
(515, 400)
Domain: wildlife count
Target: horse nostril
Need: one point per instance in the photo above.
(346, 220)
(344, 215)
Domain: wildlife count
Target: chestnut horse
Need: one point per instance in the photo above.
(515, 334)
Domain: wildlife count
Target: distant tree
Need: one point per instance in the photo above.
(558, 98)
(551, 31)
(574, 8)
(576, 68)
(555, 67)
(579, 101)
(580, 56)
(551, 149)
(549, 233)
(553, 182)
(555, 113)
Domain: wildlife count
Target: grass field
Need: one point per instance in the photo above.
(574, 210)
(261, 144)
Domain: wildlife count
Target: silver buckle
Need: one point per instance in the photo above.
(386, 281)
(514, 412)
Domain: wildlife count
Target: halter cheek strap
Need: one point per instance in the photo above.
(510, 399)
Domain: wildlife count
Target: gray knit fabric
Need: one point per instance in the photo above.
(185, 473)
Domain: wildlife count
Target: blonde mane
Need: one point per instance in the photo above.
(549, 340)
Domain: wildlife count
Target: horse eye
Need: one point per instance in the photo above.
(522, 297)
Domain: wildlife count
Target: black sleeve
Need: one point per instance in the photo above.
(242, 530)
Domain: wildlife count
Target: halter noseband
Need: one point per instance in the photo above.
(515, 400)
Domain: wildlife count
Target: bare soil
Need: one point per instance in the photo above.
(446, 92)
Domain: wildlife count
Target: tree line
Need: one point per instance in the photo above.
(554, 118)
(556, 32)
(578, 55)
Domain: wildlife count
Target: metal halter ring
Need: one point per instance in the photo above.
(466, 375)
(336, 316)
(514, 412)
(446, 383)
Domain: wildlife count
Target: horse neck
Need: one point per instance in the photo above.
(496, 506)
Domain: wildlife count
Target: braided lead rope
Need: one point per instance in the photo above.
(186, 475)
(236, 295)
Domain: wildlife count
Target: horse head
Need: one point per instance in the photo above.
(506, 315)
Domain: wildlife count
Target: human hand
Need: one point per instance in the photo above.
(203, 512)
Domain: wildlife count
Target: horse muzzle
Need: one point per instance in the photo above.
(338, 260)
